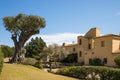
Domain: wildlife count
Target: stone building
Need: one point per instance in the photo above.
(93, 45)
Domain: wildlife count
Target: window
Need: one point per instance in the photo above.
(80, 42)
(73, 49)
(89, 46)
(92, 52)
(105, 60)
(80, 54)
(90, 61)
(102, 43)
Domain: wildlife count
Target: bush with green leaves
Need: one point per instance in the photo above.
(70, 58)
(39, 64)
(82, 72)
(1, 61)
(117, 61)
(7, 50)
(29, 61)
(96, 62)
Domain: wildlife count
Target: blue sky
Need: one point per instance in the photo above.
(64, 16)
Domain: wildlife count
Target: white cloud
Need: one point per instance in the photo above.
(58, 38)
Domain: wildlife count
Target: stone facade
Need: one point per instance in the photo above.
(70, 48)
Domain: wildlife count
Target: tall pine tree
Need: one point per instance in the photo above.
(35, 47)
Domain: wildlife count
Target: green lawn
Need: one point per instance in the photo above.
(23, 72)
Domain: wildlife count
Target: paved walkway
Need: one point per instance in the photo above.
(53, 70)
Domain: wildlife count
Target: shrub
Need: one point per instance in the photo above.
(96, 62)
(7, 51)
(77, 72)
(1, 61)
(39, 64)
(117, 61)
(83, 72)
(70, 58)
(29, 61)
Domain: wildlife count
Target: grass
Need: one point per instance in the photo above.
(23, 72)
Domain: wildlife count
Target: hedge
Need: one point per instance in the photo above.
(117, 61)
(29, 61)
(83, 72)
(1, 61)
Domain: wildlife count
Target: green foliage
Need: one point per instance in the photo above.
(23, 22)
(1, 60)
(39, 64)
(70, 58)
(82, 72)
(30, 61)
(33, 62)
(96, 62)
(35, 47)
(7, 51)
(117, 61)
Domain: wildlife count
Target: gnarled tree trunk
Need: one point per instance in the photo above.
(19, 54)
